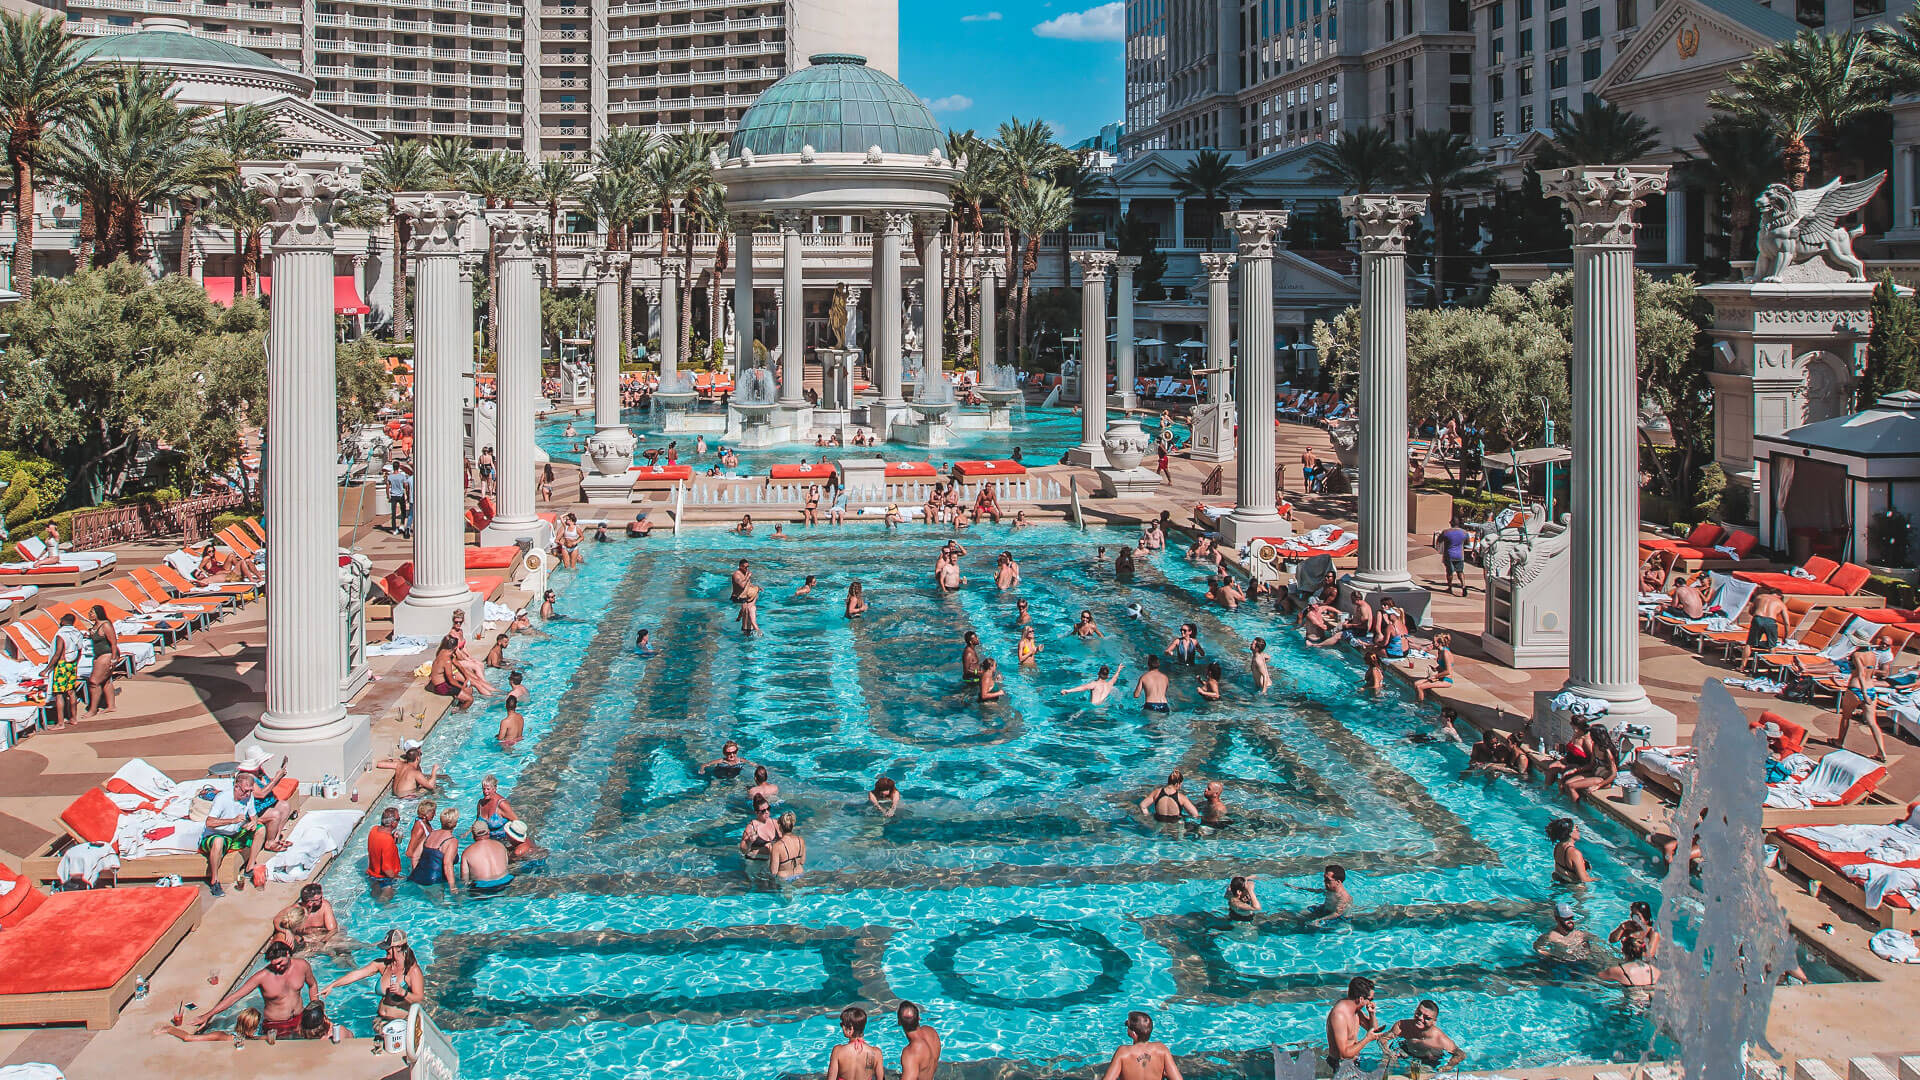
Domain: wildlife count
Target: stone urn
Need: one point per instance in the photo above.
(611, 452)
(1126, 444)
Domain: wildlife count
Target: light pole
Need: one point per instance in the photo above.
(1546, 415)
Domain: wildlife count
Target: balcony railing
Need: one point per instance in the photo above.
(188, 8)
(257, 42)
(705, 244)
(722, 26)
(438, 78)
(660, 7)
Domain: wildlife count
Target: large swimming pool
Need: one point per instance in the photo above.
(1018, 897)
(1040, 434)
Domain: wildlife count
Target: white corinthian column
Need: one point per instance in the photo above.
(443, 345)
(306, 645)
(1604, 659)
(1124, 397)
(1255, 511)
(607, 338)
(1383, 221)
(1094, 266)
(1213, 420)
(518, 381)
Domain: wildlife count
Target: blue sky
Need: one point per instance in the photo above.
(977, 62)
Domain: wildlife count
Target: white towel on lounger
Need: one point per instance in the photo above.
(1881, 880)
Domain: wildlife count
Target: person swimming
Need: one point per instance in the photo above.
(728, 765)
(643, 645)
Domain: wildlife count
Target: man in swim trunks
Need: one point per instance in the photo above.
(484, 864)
(1143, 1059)
(855, 1059)
(742, 577)
(233, 823)
(1167, 804)
(970, 657)
(446, 678)
(920, 1059)
(281, 984)
(316, 916)
(1422, 1040)
(1152, 687)
(1351, 1016)
(729, 764)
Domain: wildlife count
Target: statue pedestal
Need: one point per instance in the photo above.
(884, 417)
(1212, 426)
(598, 488)
(864, 478)
(1127, 483)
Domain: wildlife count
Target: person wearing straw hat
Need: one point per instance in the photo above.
(273, 811)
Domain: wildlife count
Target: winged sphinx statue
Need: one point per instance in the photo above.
(1800, 226)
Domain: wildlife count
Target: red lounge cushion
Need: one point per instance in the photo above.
(990, 468)
(484, 585)
(1836, 860)
(911, 468)
(490, 558)
(80, 941)
(1704, 534)
(673, 472)
(92, 817)
(1820, 569)
(1848, 579)
(396, 586)
(1741, 542)
(1792, 736)
(806, 471)
(1861, 788)
(1788, 584)
(19, 901)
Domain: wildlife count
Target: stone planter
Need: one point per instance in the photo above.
(611, 452)
(1126, 444)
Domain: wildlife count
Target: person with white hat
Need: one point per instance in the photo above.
(273, 811)
(1566, 940)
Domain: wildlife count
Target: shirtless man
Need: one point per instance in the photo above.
(1099, 688)
(316, 916)
(408, 779)
(763, 788)
(1144, 1059)
(970, 657)
(1422, 1040)
(1350, 1017)
(1167, 804)
(280, 983)
(946, 572)
(741, 578)
(920, 1059)
(1565, 940)
(1335, 898)
(1007, 574)
(855, 1059)
(1215, 814)
(1152, 687)
(484, 863)
(446, 678)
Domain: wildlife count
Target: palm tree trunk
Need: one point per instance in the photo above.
(89, 231)
(239, 261)
(553, 247)
(1796, 159)
(137, 247)
(402, 234)
(22, 218)
(1436, 201)
(250, 266)
(686, 282)
(189, 208)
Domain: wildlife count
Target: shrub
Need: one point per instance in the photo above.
(35, 487)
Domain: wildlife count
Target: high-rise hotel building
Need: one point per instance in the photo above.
(548, 77)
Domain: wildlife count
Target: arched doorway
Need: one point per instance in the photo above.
(1827, 393)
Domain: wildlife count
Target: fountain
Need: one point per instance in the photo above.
(1001, 391)
(750, 412)
(933, 403)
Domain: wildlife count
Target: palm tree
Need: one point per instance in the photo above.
(1600, 134)
(453, 160)
(44, 82)
(390, 171)
(1812, 84)
(683, 170)
(971, 187)
(244, 211)
(1211, 178)
(1025, 152)
(240, 133)
(1038, 209)
(1361, 161)
(1739, 158)
(554, 184)
(497, 176)
(129, 148)
(1438, 162)
(1896, 53)
(618, 197)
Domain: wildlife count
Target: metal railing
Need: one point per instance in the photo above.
(190, 518)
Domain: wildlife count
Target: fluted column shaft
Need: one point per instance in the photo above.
(989, 321)
(1123, 367)
(443, 328)
(607, 309)
(1219, 323)
(1094, 266)
(306, 655)
(669, 323)
(518, 378)
(1255, 507)
(886, 310)
(743, 298)
(1383, 222)
(1604, 658)
(933, 322)
(793, 314)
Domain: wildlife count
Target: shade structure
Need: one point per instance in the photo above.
(346, 298)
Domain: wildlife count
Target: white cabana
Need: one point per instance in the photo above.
(1822, 485)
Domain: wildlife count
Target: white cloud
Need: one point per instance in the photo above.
(985, 16)
(1108, 22)
(950, 103)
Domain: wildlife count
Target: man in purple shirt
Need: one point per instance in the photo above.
(1451, 543)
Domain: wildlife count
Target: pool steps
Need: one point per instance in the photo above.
(1860, 1068)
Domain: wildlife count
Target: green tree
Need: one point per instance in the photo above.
(1739, 157)
(1362, 161)
(1038, 209)
(1026, 154)
(1212, 178)
(553, 185)
(390, 171)
(362, 386)
(245, 212)
(128, 148)
(44, 82)
(1600, 134)
(453, 160)
(237, 134)
(498, 176)
(1439, 162)
(1893, 346)
(1811, 84)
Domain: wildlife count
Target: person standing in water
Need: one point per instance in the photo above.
(1151, 687)
(920, 1059)
(1099, 688)
(1143, 1059)
(855, 1059)
(856, 600)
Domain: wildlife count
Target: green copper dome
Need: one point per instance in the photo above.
(164, 43)
(838, 106)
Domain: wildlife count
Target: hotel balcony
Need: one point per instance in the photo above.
(191, 9)
(727, 26)
(257, 42)
(437, 78)
(415, 26)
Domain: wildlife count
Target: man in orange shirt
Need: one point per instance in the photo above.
(383, 849)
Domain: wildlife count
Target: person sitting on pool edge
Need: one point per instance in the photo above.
(1142, 1059)
(483, 866)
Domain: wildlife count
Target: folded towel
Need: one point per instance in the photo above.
(498, 613)
(1895, 947)
(1727, 551)
(400, 646)
(316, 835)
(1799, 572)
(1881, 880)
(1567, 701)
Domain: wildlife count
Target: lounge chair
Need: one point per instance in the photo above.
(1841, 789)
(138, 651)
(170, 628)
(179, 584)
(160, 588)
(1701, 537)
(75, 957)
(399, 584)
(1810, 639)
(25, 573)
(1738, 554)
(33, 549)
(1837, 854)
(199, 613)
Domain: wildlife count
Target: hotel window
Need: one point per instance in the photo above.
(1865, 9)
(1626, 13)
(1557, 73)
(1497, 15)
(1496, 87)
(1811, 12)
(1390, 8)
(1526, 118)
(1525, 48)
(1557, 34)
(1590, 65)
(1526, 9)
(1499, 122)
(1590, 24)
(1525, 87)
(1499, 51)
(1558, 111)
(1460, 63)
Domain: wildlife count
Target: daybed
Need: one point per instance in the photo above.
(74, 957)
(1836, 853)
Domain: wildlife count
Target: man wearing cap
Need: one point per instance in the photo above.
(639, 526)
(273, 812)
(1784, 740)
(1565, 941)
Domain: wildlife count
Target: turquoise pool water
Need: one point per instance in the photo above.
(1042, 435)
(1018, 897)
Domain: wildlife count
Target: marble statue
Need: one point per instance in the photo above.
(837, 316)
(1800, 226)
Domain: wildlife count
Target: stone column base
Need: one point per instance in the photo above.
(1127, 483)
(1238, 531)
(1412, 599)
(882, 416)
(1124, 401)
(595, 488)
(434, 619)
(1556, 727)
(507, 534)
(1094, 457)
(345, 755)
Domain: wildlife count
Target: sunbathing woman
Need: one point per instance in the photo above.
(1442, 666)
(1597, 773)
(474, 669)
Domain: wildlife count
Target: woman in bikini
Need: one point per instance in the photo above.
(1569, 866)
(856, 601)
(408, 778)
(474, 669)
(1210, 683)
(787, 855)
(1375, 678)
(402, 982)
(1599, 771)
(1007, 574)
(990, 681)
(569, 538)
(1029, 648)
(1086, 628)
(810, 513)
(1442, 666)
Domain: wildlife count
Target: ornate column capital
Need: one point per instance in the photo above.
(853, 293)
(986, 270)
(1257, 229)
(652, 289)
(896, 223)
(1383, 220)
(779, 295)
(790, 221)
(1126, 264)
(668, 274)
(1094, 264)
(439, 221)
(469, 266)
(359, 261)
(515, 235)
(1219, 265)
(301, 201)
(609, 264)
(197, 258)
(1602, 199)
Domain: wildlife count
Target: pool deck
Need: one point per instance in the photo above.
(184, 713)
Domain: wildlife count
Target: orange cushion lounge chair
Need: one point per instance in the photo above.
(181, 585)
(74, 957)
(139, 599)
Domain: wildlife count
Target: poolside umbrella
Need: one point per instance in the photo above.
(1190, 343)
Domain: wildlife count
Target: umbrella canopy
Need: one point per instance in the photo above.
(1191, 344)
